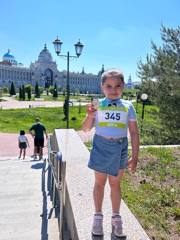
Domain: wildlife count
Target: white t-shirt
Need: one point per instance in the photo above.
(22, 138)
(112, 117)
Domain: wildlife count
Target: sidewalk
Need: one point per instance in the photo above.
(9, 145)
(25, 207)
(11, 103)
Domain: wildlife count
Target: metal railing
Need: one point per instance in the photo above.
(57, 183)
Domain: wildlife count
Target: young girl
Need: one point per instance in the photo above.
(109, 156)
(23, 143)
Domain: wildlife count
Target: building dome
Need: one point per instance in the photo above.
(45, 55)
(8, 57)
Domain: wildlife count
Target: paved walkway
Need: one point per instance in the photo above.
(25, 207)
(9, 145)
(11, 103)
(28, 104)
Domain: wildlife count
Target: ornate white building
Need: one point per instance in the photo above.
(45, 72)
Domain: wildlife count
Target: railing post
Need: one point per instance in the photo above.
(60, 183)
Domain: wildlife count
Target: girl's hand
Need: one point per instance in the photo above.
(132, 164)
(91, 110)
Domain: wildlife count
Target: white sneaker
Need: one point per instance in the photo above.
(97, 227)
(117, 229)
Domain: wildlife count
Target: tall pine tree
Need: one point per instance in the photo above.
(55, 91)
(29, 93)
(37, 90)
(160, 76)
(20, 93)
(23, 93)
(12, 89)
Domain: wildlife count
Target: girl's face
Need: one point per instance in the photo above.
(112, 88)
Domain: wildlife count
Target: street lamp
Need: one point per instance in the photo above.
(137, 100)
(144, 97)
(78, 48)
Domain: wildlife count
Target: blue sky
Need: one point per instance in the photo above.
(116, 33)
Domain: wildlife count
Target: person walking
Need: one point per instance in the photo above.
(38, 131)
(112, 117)
(22, 143)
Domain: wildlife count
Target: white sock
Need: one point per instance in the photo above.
(98, 213)
(115, 214)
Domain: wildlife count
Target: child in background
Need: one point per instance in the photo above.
(112, 118)
(23, 143)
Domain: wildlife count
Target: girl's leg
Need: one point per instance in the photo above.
(114, 183)
(116, 221)
(24, 153)
(20, 152)
(98, 194)
(98, 191)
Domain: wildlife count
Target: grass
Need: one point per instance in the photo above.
(151, 130)
(153, 193)
(11, 121)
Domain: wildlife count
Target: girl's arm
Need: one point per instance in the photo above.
(90, 117)
(134, 134)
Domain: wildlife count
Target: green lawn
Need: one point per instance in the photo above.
(11, 121)
(151, 130)
(153, 193)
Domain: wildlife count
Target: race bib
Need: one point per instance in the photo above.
(112, 117)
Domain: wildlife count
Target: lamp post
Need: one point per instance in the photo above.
(137, 100)
(144, 97)
(78, 48)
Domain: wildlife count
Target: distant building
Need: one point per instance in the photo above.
(45, 72)
(11, 71)
(129, 84)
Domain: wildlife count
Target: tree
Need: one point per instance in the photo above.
(12, 90)
(28, 90)
(29, 93)
(55, 92)
(160, 77)
(1, 91)
(23, 93)
(64, 91)
(5, 90)
(37, 91)
(20, 93)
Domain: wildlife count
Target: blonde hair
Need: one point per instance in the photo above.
(112, 73)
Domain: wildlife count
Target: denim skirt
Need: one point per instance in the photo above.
(108, 156)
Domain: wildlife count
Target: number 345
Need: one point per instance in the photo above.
(113, 116)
